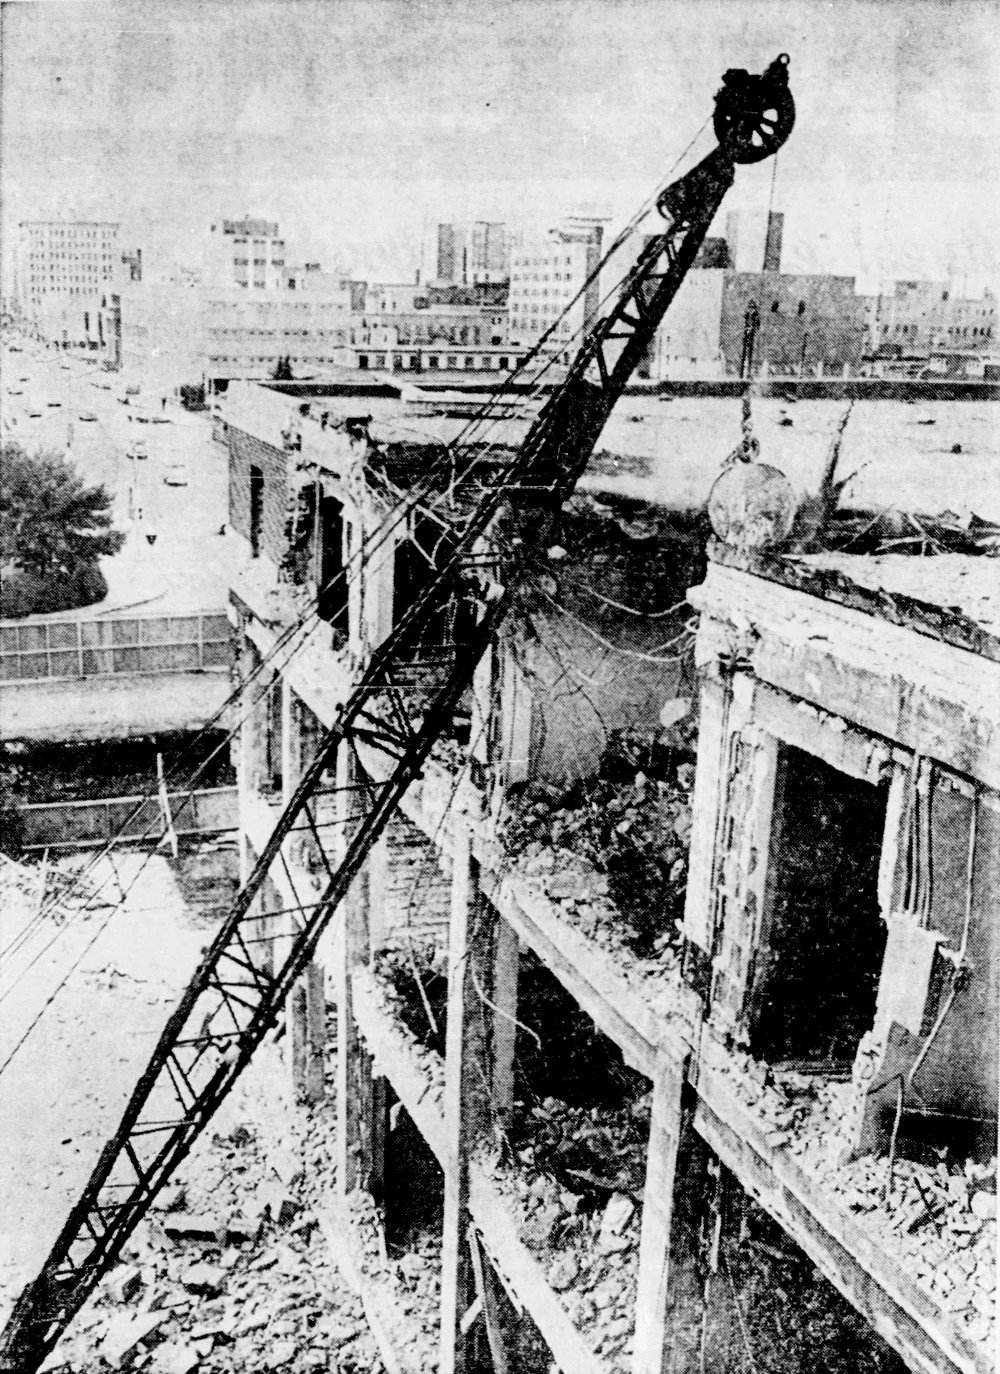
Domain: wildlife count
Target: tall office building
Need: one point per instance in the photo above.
(63, 268)
(473, 254)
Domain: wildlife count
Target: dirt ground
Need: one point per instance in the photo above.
(101, 980)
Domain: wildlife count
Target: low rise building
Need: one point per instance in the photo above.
(920, 317)
(810, 325)
(203, 334)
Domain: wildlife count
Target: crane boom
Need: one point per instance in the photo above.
(236, 995)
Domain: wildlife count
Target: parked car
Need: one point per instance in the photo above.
(34, 414)
(87, 415)
(136, 448)
(176, 474)
(53, 403)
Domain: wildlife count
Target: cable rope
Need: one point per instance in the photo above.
(383, 532)
(631, 610)
(651, 657)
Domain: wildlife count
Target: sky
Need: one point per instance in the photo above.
(360, 124)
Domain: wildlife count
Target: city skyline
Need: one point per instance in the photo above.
(324, 117)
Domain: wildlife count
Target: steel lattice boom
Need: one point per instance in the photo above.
(395, 713)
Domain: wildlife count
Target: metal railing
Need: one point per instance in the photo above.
(126, 820)
(61, 649)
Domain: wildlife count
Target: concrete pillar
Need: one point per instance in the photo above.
(354, 1077)
(506, 967)
(653, 1347)
(305, 1010)
(464, 1108)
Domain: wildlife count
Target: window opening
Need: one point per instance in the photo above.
(256, 509)
(332, 605)
(824, 938)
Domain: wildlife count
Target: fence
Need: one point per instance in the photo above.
(75, 648)
(58, 825)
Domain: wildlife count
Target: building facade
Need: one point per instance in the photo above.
(810, 325)
(554, 284)
(473, 254)
(64, 267)
(920, 317)
(805, 1070)
(198, 334)
(246, 253)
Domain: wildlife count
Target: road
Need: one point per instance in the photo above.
(174, 559)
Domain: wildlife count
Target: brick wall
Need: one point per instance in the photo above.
(821, 312)
(246, 451)
(417, 886)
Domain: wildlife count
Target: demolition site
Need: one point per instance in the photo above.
(610, 979)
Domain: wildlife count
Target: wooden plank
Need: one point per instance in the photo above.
(506, 967)
(382, 1311)
(905, 1317)
(463, 1108)
(393, 1053)
(497, 1227)
(818, 733)
(486, 1301)
(314, 1068)
(708, 800)
(652, 1345)
(586, 973)
(353, 1063)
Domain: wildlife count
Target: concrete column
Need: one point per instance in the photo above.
(305, 1010)
(464, 1108)
(354, 1078)
(506, 967)
(653, 1347)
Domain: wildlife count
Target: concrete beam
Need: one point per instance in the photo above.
(111, 708)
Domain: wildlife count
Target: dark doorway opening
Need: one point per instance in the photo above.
(256, 510)
(823, 939)
(332, 582)
(419, 561)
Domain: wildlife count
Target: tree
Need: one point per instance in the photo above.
(283, 370)
(53, 531)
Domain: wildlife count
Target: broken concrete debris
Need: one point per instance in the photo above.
(203, 1293)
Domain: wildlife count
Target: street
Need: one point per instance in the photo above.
(174, 558)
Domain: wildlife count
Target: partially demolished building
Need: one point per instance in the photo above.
(740, 1113)
(646, 1058)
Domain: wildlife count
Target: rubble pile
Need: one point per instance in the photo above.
(422, 1015)
(765, 1306)
(408, 1309)
(230, 1274)
(628, 838)
(937, 1216)
(52, 891)
(577, 1192)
